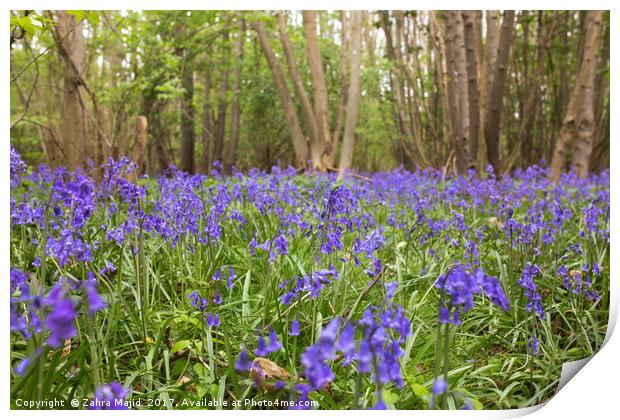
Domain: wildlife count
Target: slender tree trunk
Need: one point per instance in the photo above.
(188, 129)
(207, 124)
(420, 158)
(218, 151)
(140, 145)
(73, 115)
(317, 146)
(584, 141)
(472, 87)
(493, 22)
(531, 106)
(493, 120)
(442, 75)
(462, 86)
(236, 107)
(353, 101)
(453, 92)
(343, 76)
(578, 120)
(300, 144)
(318, 86)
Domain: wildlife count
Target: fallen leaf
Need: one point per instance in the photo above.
(67, 348)
(264, 373)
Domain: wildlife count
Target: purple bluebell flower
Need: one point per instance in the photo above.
(61, 321)
(243, 362)
(93, 299)
(110, 397)
(263, 348)
(294, 328)
(213, 320)
(534, 304)
(439, 386)
(459, 288)
(231, 277)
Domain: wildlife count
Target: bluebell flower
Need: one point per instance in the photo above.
(294, 328)
(264, 349)
(61, 321)
(534, 304)
(110, 397)
(93, 299)
(439, 386)
(243, 362)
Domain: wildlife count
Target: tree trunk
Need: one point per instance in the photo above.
(472, 87)
(300, 143)
(399, 86)
(462, 86)
(442, 75)
(455, 115)
(492, 19)
(188, 131)
(236, 108)
(207, 126)
(319, 88)
(140, 145)
(222, 107)
(317, 147)
(578, 120)
(531, 106)
(343, 76)
(585, 121)
(493, 118)
(73, 115)
(353, 100)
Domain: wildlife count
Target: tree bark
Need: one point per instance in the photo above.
(585, 121)
(317, 147)
(353, 100)
(230, 158)
(300, 143)
(442, 75)
(73, 115)
(493, 118)
(578, 121)
(207, 125)
(453, 91)
(343, 75)
(472, 88)
(188, 129)
(140, 145)
(462, 86)
(395, 57)
(493, 21)
(222, 107)
(319, 88)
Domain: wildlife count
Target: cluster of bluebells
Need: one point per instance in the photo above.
(209, 319)
(527, 282)
(382, 331)
(109, 397)
(265, 346)
(75, 218)
(458, 288)
(579, 282)
(18, 166)
(53, 312)
(312, 283)
(230, 279)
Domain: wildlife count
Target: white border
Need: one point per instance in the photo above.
(591, 395)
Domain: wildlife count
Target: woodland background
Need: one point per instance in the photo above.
(367, 90)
